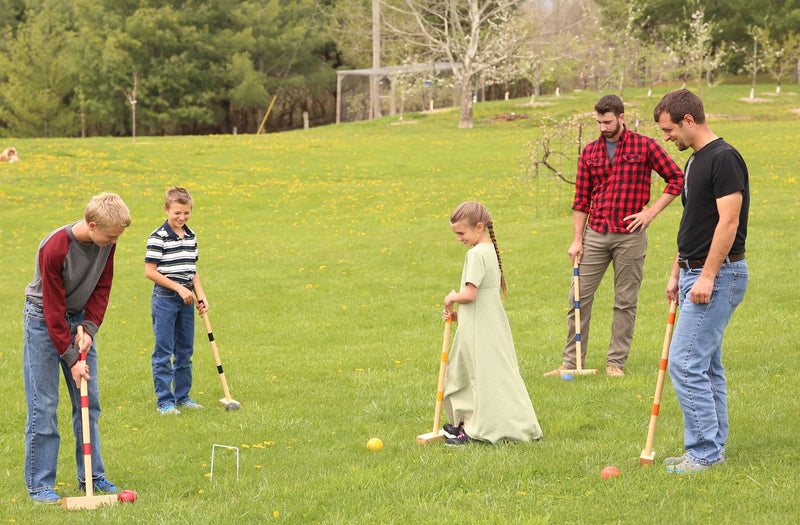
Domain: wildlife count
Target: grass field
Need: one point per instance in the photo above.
(325, 255)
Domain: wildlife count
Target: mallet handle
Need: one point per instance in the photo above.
(88, 479)
(576, 292)
(662, 369)
(217, 360)
(437, 415)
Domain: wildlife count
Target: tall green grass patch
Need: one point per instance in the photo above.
(325, 255)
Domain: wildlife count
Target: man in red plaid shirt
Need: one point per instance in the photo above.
(609, 223)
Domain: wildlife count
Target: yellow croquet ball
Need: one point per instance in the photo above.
(374, 444)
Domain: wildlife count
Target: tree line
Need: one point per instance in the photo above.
(88, 67)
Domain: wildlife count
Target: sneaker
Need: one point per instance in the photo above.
(688, 466)
(100, 485)
(167, 410)
(557, 371)
(677, 460)
(453, 431)
(461, 439)
(191, 405)
(45, 496)
(614, 371)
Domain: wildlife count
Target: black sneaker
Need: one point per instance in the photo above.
(453, 431)
(461, 439)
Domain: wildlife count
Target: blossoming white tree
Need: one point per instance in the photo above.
(472, 35)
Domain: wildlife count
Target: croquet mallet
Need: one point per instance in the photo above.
(576, 292)
(648, 455)
(228, 401)
(89, 501)
(438, 434)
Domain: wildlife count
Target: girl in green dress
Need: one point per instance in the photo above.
(485, 398)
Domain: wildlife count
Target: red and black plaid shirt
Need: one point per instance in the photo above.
(609, 193)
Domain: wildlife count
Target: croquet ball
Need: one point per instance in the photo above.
(127, 496)
(567, 377)
(374, 444)
(609, 472)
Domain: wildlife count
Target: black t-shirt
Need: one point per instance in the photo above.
(713, 172)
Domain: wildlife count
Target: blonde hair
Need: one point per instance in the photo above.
(108, 211)
(179, 195)
(473, 212)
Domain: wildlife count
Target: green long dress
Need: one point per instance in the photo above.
(483, 387)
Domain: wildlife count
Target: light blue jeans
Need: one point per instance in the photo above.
(695, 360)
(40, 368)
(173, 327)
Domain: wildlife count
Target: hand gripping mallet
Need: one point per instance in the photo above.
(648, 455)
(576, 292)
(438, 434)
(230, 403)
(89, 501)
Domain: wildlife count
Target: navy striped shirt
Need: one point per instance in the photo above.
(175, 257)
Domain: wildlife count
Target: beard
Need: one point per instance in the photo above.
(612, 134)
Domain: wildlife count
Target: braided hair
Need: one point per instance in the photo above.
(474, 212)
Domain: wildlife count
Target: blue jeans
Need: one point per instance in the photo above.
(40, 367)
(695, 360)
(173, 327)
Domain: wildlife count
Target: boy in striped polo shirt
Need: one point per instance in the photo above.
(171, 263)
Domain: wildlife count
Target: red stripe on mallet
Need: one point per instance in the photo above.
(648, 455)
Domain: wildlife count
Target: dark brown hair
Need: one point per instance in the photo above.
(610, 103)
(679, 103)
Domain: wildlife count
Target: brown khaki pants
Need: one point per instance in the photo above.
(626, 251)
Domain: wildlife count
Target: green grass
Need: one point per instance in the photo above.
(325, 255)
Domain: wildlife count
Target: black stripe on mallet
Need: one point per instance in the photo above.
(228, 401)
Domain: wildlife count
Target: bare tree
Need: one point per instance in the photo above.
(701, 58)
(131, 96)
(472, 35)
(566, 46)
(780, 57)
(754, 58)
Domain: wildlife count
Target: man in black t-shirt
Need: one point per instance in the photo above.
(708, 278)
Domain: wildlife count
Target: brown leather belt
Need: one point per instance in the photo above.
(687, 264)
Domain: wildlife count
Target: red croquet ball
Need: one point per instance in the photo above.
(609, 472)
(127, 496)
